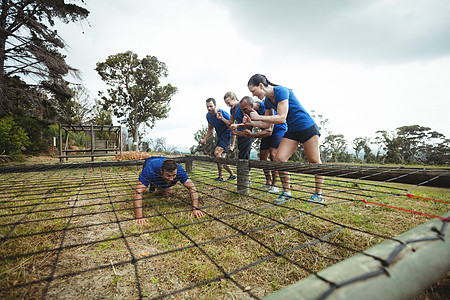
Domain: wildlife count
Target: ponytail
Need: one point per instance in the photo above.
(256, 79)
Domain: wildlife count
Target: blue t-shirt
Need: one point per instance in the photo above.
(297, 118)
(151, 173)
(278, 129)
(221, 128)
(238, 116)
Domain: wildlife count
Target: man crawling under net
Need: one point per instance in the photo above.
(162, 173)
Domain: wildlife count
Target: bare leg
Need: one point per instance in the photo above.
(311, 148)
(285, 150)
(273, 153)
(264, 155)
(220, 152)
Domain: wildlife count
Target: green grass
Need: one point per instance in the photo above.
(245, 229)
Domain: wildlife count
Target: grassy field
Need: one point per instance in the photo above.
(71, 234)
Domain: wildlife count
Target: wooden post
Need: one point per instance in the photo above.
(92, 142)
(243, 176)
(66, 147)
(120, 140)
(60, 144)
(189, 163)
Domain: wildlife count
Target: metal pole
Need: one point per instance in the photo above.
(243, 176)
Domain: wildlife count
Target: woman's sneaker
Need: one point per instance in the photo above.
(316, 197)
(274, 190)
(265, 186)
(232, 177)
(220, 179)
(284, 197)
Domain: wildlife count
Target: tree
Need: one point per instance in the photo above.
(208, 148)
(390, 144)
(159, 145)
(135, 96)
(335, 144)
(30, 47)
(412, 144)
(437, 153)
(362, 144)
(81, 106)
(358, 145)
(412, 140)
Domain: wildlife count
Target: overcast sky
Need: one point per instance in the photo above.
(364, 65)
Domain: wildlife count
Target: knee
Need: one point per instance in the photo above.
(278, 158)
(315, 160)
(273, 153)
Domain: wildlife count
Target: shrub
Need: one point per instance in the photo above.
(13, 139)
(35, 130)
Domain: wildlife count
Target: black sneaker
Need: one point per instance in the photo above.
(220, 179)
(232, 177)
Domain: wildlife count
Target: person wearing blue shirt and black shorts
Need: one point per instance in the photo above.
(225, 141)
(236, 114)
(270, 139)
(301, 129)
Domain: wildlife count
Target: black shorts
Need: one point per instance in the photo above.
(303, 135)
(272, 141)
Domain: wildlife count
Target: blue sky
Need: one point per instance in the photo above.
(364, 65)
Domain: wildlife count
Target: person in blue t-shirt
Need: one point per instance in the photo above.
(225, 141)
(270, 139)
(162, 173)
(301, 129)
(236, 114)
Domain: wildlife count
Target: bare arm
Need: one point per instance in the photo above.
(207, 135)
(264, 133)
(282, 111)
(194, 198)
(227, 122)
(233, 139)
(137, 202)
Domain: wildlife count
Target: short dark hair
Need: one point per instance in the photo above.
(211, 100)
(169, 165)
(248, 99)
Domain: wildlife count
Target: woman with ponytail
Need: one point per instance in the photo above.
(301, 129)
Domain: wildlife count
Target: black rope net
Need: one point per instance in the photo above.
(68, 231)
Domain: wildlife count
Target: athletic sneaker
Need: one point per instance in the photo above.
(232, 177)
(219, 179)
(274, 190)
(265, 186)
(284, 197)
(316, 197)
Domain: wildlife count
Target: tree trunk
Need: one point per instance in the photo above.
(3, 37)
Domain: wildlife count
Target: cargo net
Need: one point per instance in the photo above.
(69, 232)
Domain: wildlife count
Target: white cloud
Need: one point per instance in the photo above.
(365, 66)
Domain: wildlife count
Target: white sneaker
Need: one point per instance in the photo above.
(274, 190)
(265, 186)
(284, 197)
